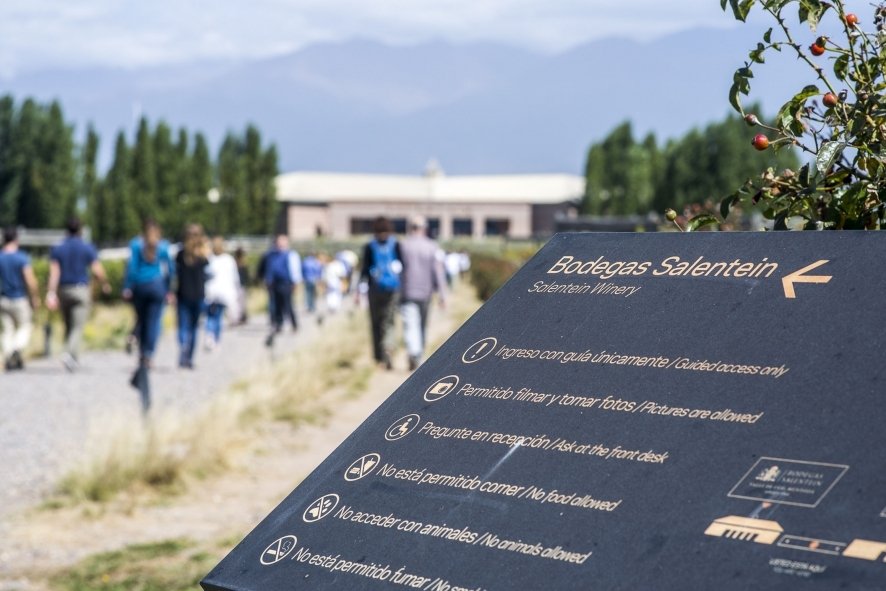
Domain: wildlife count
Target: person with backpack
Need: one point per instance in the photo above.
(282, 274)
(382, 265)
(149, 274)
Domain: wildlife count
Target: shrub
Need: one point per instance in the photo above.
(489, 272)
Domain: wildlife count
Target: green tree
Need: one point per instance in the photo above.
(118, 214)
(620, 174)
(8, 178)
(201, 178)
(166, 169)
(29, 181)
(838, 119)
(89, 180)
(59, 169)
(710, 162)
(268, 186)
(232, 215)
(143, 174)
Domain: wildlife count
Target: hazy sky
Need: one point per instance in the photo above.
(36, 34)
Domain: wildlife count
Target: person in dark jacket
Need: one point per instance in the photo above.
(282, 274)
(382, 265)
(190, 265)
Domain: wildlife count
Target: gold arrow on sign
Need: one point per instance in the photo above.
(798, 277)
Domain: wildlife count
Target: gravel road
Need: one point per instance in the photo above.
(46, 413)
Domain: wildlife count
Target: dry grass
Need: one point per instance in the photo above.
(171, 450)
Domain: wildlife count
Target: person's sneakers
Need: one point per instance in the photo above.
(269, 342)
(414, 362)
(70, 362)
(15, 362)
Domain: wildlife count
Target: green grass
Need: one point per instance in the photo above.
(170, 565)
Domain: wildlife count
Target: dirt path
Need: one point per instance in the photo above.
(222, 507)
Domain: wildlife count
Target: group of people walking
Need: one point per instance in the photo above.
(201, 279)
(203, 282)
(402, 274)
(68, 291)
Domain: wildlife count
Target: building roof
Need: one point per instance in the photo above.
(323, 187)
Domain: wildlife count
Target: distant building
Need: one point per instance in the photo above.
(339, 205)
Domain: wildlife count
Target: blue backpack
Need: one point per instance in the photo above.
(278, 268)
(385, 270)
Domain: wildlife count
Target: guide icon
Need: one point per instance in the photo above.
(278, 550)
(441, 388)
(320, 508)
(362, 467)
(479, 350)
(402, 427)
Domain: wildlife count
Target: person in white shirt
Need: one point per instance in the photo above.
(334, 275)
(222, 289)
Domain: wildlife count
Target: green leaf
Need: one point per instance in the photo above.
(827, 155)
(723, 4)
(811, 12)
(740, 85)
(805, 175)
(744, 8)
(787, 117)
(756, 55)
(767, 36)
(728, 203)
(808, 91)
(700, 221)
(841, 64)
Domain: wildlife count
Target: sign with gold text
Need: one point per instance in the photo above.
(644, 412)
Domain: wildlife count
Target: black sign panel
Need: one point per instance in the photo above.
(631, 412)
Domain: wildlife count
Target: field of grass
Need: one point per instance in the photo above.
(170, 565)
(172, 450)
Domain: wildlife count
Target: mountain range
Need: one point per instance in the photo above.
(364, 106)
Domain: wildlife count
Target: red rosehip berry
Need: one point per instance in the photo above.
(760, 142)
(830, 100)
(850, 19)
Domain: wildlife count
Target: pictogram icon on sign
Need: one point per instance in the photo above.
(362, 467)
(441, 388)
(278, 550)
(320, 508)
(479, 350)
(402, 427)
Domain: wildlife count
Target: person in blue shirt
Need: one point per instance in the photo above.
(148, 277)
(282, 274)
(69, 287)
(312, 272)
(18, 299)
